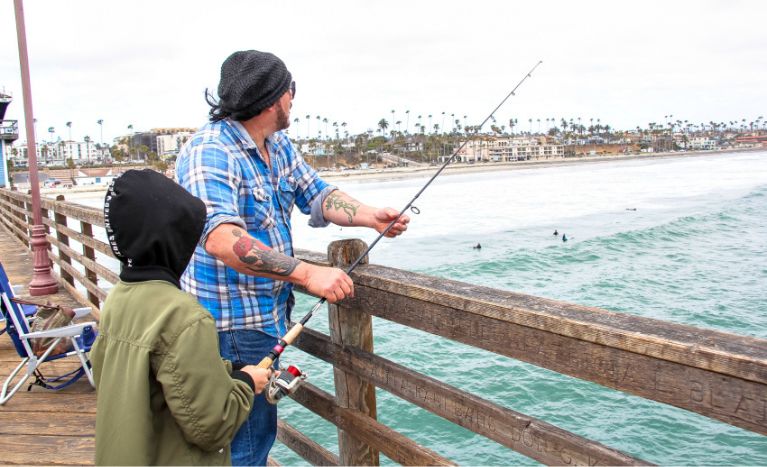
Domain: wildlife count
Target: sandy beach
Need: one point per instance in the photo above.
(458, 168)
(452, 169)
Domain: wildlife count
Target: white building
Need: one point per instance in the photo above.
(81, 152)
(170, 144)
(505, 149)
(702, 143)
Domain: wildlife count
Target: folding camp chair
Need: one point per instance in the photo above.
(12, 291)
(81, 336)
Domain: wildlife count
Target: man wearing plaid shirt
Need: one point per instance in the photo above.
(250, 176)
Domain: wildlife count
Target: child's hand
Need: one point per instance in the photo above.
(260, 376)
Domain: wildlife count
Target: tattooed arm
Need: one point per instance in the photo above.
(341, 209)
(238, 250)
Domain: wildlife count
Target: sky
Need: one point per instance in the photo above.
(147, 63)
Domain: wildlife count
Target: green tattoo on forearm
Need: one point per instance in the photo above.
(258, 260)
(334, 201)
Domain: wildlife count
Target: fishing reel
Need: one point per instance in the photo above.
(285, 384)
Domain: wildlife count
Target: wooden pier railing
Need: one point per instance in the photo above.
(719, 375)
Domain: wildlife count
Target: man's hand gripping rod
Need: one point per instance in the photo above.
(298, 327)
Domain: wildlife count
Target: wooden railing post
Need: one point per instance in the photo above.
(87, 229)
(27, 216)
(61, 220)
(352, 328)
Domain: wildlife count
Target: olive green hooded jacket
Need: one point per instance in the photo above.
(164, 395)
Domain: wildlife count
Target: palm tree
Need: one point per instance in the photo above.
(87, 140)
(100, 123)
(319, 130)
(430, 120)
(443, 121)
(69, 127)
(308, 121)
(383, 125)
(296, 121)
(407, 121)
(325, 121)
(130, 141)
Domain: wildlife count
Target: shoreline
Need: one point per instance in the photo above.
(452, 169)
(461, 168)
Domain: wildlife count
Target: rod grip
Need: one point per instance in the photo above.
(292, 334)
(266, 362)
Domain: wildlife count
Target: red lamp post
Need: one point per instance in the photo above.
(43, 282)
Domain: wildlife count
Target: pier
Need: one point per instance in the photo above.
(718, 375)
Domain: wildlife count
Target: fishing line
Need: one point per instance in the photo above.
(298, 327)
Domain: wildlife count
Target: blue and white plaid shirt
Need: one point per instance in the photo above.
(221, 165)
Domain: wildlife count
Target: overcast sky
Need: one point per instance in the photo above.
(146, 63)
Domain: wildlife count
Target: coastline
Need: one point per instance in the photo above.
(459, 168)
(452, 169)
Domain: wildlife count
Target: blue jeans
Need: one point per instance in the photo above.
(256, 436)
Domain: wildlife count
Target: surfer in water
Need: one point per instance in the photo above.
(564, 237)
(477, 246)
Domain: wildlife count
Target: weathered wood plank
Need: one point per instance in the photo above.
(85, 240)
(60, 221)
(531, 437)
(48, 402)
(396, 446)
(88, 252)
(553, 337)
(303, 445)
(94, 216)
(734, 355)
(79, 277)
(102, 271)
(352, 329)
(45, 424)
(47, 450)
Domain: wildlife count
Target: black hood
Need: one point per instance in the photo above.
(153, 225)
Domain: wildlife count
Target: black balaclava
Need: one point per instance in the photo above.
(153, 225)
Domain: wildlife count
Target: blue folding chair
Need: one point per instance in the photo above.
(81, 337)
(11, 291)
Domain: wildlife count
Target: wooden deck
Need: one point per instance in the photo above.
(41, 426)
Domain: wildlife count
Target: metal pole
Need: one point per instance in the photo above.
(43, 282)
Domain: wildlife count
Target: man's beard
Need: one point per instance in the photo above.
(283, 120)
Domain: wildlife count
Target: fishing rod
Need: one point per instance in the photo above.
(289, 380)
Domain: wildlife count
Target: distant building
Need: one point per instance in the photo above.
(170, 144)
(506, 149)
(705, 143)
(9, 132)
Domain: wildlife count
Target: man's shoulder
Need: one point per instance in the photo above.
(214, 134)
(214, 143)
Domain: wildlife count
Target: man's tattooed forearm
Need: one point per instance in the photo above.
(259, 260)
(335, 201)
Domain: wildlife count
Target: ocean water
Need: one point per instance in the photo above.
(676, 239)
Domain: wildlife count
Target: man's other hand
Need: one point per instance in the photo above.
(383, 218)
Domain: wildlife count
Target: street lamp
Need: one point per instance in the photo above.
(43, 282)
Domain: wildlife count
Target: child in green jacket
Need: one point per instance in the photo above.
(164, 394)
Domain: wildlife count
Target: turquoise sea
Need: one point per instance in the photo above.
(676, 239)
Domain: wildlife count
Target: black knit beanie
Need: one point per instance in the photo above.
(153, 225)
(250, 82)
